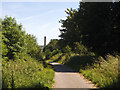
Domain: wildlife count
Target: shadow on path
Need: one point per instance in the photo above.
(62, 68)
(65, 77)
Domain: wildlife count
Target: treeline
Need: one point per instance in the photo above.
(15, 41)
(94, 25)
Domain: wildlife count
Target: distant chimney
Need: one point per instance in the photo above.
(44, 41)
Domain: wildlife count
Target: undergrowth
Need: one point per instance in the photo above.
(26, 73)
(104, 73)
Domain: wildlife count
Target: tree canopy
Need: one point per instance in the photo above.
(15, 40)
(96, 25)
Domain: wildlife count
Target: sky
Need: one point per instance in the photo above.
(39, 18)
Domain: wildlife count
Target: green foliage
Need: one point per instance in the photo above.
(51, 49)
(26, 73)
(96, 25)
(32, 48)
(69, 32)
(52, 45)
(55, 58)
(103, 73)
(98, 30)
(13, 36)
(48, 53)
(67, 49)
(80, 48)
(0, 39)
(21, 56)
(0, 55)
(14, 41)
(4, 47)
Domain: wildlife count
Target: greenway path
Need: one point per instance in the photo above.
(67, 78)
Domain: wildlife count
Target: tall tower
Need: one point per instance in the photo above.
(44, 41)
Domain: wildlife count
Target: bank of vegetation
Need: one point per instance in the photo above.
(90, 39)
(22, 59)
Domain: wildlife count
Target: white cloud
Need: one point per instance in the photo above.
(25, 19)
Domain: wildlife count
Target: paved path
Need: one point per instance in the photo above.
(67, 78)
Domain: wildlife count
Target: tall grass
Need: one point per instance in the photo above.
(104, 73)
(26, 73)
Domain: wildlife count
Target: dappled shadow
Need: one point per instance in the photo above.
(75, 62)
(80, 62)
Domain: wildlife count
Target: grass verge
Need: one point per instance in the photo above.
(26, 73)
(104, 73)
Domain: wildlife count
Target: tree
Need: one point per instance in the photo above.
(69, 33)
(13, 36)
(80, 48)
(52, 45)
(32, 48)
(15, 42)
(52, 48)
(95, 24)
(4, 47)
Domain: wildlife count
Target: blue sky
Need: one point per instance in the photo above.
(39, 18)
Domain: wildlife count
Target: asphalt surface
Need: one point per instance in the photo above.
(68, 78)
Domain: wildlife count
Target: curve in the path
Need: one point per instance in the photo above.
(67, 78)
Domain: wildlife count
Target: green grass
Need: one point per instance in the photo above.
(26, 74)
(103, 73)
